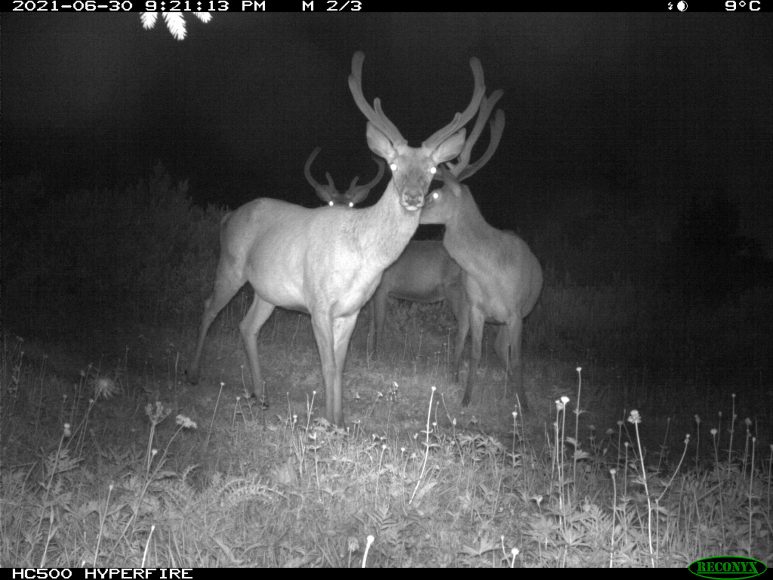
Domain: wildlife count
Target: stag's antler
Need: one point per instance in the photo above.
(325, 192)
(358, 193)
(461, 119)
(378, 118)
(462, 169)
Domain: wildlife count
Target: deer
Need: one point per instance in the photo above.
(424, 273)
(327, 261)
(329, 193)
(502, 277)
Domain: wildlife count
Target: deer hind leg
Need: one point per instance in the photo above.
(250, 326)
(462, 314)
(515, 370)
(225, 288)
(502, 346)
(477, 320)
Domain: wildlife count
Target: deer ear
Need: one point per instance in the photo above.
(380, 144)
(450, 148)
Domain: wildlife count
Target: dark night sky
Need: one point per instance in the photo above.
(642, 109)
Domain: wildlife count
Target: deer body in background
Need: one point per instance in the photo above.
(424, 273)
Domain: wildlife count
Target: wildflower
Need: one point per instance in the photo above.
(634, 417)
(67, 431)
(105, 388)
(157, 414)
(185, 422)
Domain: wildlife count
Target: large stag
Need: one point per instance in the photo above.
(329, 193)
(502, 278)
(329, 261)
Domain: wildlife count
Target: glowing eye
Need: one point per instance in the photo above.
(433, 170)
(330, 203)
(435, 195)
(393, 166)
(351, 204)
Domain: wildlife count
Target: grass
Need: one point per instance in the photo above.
(126, 465)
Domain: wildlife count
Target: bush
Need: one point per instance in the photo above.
(146, 251)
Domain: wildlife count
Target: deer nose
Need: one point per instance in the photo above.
(413, 198)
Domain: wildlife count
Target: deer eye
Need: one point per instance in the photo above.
(433, 170)
(331, 203)
(435, 195)
(393, 166)
(351, 204)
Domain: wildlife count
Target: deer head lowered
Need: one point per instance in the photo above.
(425, 273)
(502, 278)
(329, 261)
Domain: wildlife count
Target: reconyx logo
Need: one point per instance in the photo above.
(724, 567)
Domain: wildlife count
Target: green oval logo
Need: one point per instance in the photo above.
(722, 567)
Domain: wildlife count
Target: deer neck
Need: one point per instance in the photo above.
(468, 237)
(384, 229)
